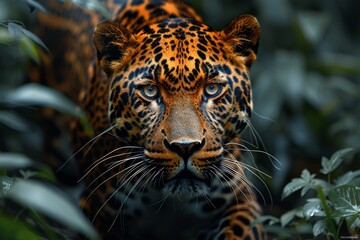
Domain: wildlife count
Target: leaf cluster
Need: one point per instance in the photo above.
(29, 208)
(329, 205)
(13, 32)
(41, 203)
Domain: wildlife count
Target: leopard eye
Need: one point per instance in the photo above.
(150, 91)
(213, 89)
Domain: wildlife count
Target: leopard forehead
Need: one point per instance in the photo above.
(181, 54)
(182, 57)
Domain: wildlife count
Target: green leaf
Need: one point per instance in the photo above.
(46, 173)
(19, 31)
(14, 160)
(322, 184)
(15, 30)
(35, 94)
(27, 173)
(305, 183)
(346, 202)
(353, 221)
(325, 163)
(293, 186)
(5, 37)
(37, 5)
(347, 178)
(313, 208)
(287, 217)
(336, 159)
(320, 227)
(313, 24)
(271, 220)
(305, 174)
(52, 204)
(13, 121)
(306, 188)
(11, 228)
(29, 48)
(34, 38)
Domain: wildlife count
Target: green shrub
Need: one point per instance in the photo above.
(331, 207)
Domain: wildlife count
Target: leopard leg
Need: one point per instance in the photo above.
(235, 222)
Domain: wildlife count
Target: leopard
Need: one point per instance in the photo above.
(167, 98)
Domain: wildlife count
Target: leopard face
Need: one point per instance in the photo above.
(181, 91)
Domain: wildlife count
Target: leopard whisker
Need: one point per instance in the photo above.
(218, 173)
(131, 168)
(145, 183)
(114, 165)
(91, 141)
(144, 167)
(139, 155)
(254, 133)
(209, 200)
(97, 163)
(128, 172)
(263, 117)
(275, 162)
(129, 176)
(254, 171)
(244, 182)
(152, 177)
(238, 176)
(249, 167)
(249, 143)
(107, 179)
(130, 148)
(243, 149)
(256, 136)
(162, 202)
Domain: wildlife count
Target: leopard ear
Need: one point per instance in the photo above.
(243, 34)
(112, 42)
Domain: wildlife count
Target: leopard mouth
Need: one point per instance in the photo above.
(186, 184)
(186, 175)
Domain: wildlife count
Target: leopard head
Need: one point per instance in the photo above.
(181, 91)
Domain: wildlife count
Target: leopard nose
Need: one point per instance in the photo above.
(184, 149)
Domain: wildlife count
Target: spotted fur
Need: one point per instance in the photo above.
(167, 97)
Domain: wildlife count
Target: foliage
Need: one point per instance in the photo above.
(30, 209)
(332, 204)
(306, 85)
(38, 200)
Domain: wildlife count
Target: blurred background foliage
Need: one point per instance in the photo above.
(306, 85)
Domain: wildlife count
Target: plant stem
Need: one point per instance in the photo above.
(327, 211)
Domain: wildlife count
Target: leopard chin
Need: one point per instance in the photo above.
(186, 189)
